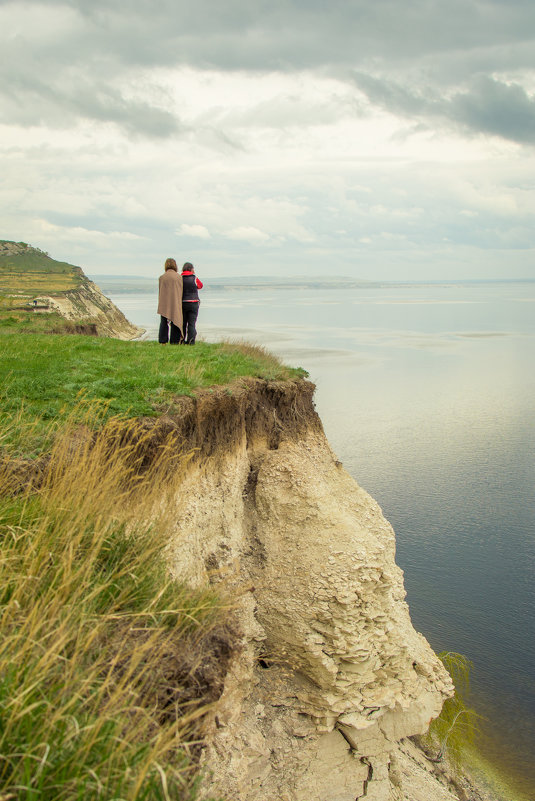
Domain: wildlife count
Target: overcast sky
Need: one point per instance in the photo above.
(370, 138)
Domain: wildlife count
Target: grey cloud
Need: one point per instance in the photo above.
(36, 94)
(108, 105)
(395, 97)
(487, 106)
(420, 42)
(497, 108)
(294, 34)
(40, 105)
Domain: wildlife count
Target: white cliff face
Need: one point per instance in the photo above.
(332, 673)
(87, 303)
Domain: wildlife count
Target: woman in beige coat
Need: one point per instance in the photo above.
(170, 304)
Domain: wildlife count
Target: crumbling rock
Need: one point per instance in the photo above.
(331, 674)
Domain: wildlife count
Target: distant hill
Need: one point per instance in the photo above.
(29, 271)
(31, 282)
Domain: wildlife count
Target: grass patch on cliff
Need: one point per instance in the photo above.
(455, 738)
(26, 321)
(100, 649)
(43, 375)
(452, 732)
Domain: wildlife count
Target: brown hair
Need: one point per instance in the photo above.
(170, 264)
(188, 266)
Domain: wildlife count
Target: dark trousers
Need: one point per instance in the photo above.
(190, 311)
(163, 334)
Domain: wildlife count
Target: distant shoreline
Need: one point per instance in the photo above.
(294, 282)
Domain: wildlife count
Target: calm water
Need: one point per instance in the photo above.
(427, 396)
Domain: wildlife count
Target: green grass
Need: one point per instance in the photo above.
(452, 732)
(43, 375)
(22, 321)
(29, 273)
(96, 696)
(35, 262)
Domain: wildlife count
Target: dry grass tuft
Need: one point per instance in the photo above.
(249, 349)
(101, 653)
(272, 366)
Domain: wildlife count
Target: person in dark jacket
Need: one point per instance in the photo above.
(190, 302)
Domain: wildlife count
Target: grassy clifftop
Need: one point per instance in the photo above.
(108, 666)
(41, 376)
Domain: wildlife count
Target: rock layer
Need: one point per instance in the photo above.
(331, 674)
(88, 303)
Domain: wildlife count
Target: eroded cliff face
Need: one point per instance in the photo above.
(331, 674)
(87, 303)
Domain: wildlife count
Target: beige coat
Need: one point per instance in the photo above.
(170, 297)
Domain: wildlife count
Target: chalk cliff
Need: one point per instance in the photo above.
(330, 674)
(87, 304)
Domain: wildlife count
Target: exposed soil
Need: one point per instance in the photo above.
(211, 423)
(216, 419)
(189, 677)
(86, 329)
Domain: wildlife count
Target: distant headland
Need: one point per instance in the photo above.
(34, 285)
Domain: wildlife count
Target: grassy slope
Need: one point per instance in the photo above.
(98, 645)
(43, 374)
(32, 261)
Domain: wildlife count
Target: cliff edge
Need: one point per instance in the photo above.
(330, 675)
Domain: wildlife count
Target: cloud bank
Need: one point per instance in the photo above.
(393, 141)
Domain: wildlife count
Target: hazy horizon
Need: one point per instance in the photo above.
(297, 280)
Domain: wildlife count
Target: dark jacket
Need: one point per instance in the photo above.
(190, 286)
